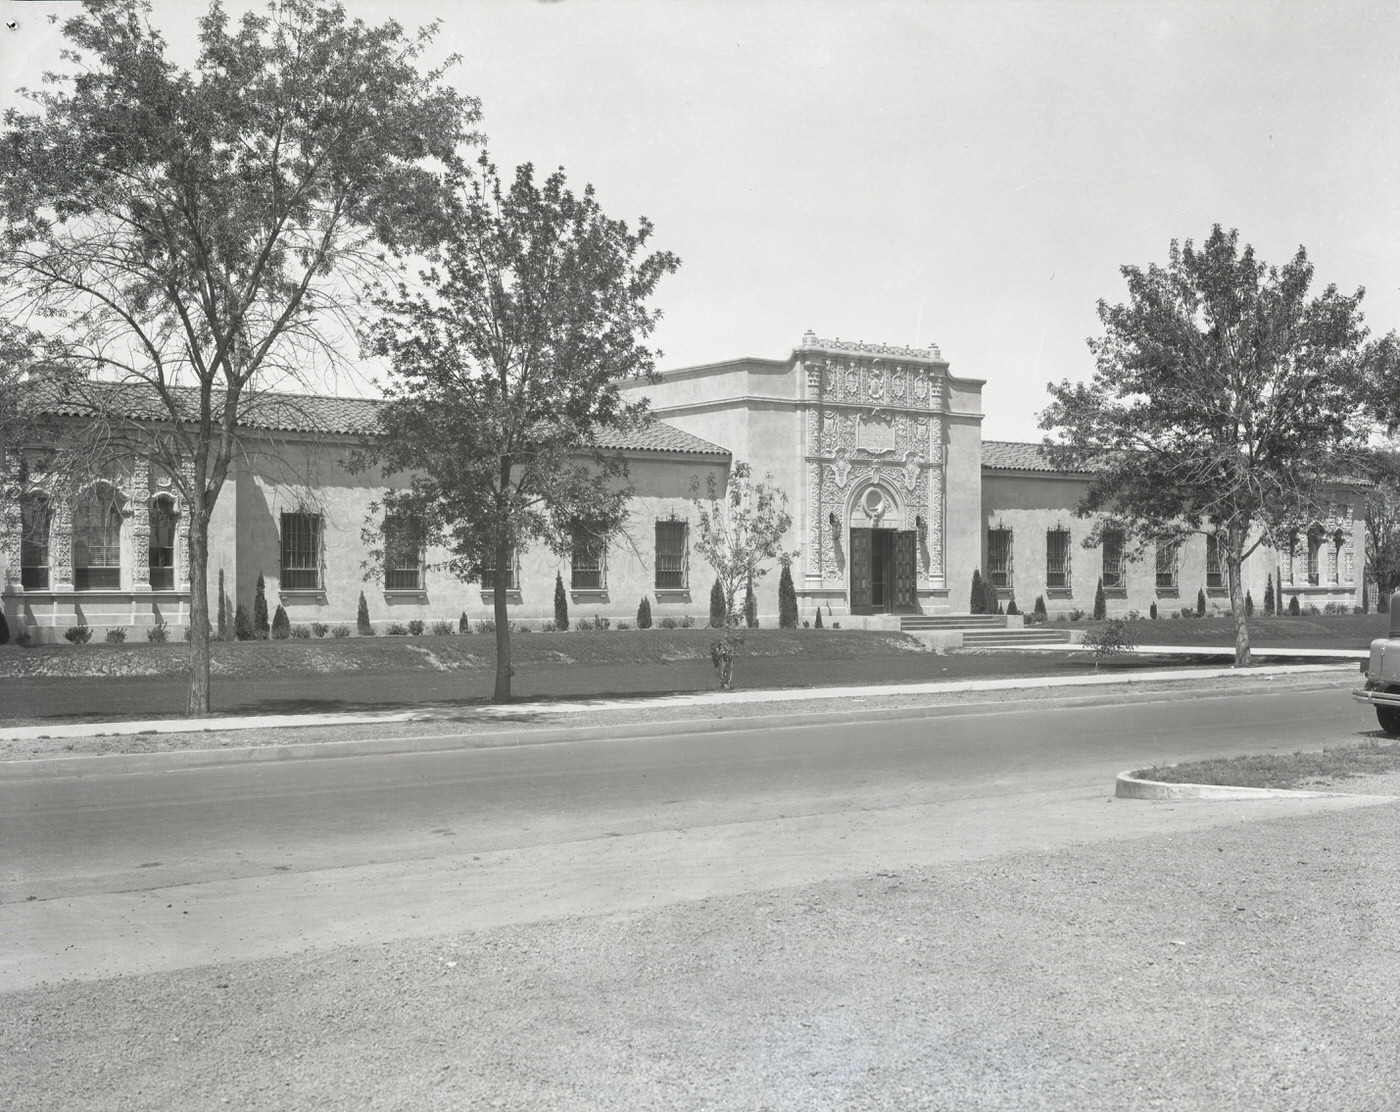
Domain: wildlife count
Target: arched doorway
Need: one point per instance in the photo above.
(884, 552)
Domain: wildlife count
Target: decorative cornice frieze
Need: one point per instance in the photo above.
(810, 340)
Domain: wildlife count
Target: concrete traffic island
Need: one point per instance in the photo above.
(1131, 786)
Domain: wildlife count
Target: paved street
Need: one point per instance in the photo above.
(141, 872)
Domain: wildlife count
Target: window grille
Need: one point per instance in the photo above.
(999, 557)
(301, 552)
(1215, 576)
(97, 557)
(161, 552)
(1057, 559)
(587, 551)
(1113, 559)
(403, 554)
(1314, 551)
(34, 544)
(1167, 552)
(671, 556)
(488, 574)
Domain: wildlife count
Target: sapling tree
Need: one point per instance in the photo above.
(740, 529)
(1223, 398)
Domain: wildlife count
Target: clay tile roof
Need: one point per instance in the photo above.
(1012, 455)
(316, 413)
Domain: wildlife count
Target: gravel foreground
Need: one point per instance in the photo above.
(1253, 966)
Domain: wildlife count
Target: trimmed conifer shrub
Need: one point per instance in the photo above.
(787, 598)
(1038, 612)
(242, 624)
(644, 613)
(977, 603)
(1269, 595)
(1248, 604)
(362, 625)
(463, 624)
(717, 608)
(1100, 603)
(1294, 610)
(1201, 603)
(281, 624)
(818, 623)
(1011, 606)
(260, 626)
(750, 606)
(1152, 611)
(561, 604)
(991, 604)
(223, 609)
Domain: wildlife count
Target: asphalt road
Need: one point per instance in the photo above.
(277, 857)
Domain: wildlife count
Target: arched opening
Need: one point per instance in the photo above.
(1315, 538)
(161, 554)
(97, 525)
(884, 554)
(35, 519)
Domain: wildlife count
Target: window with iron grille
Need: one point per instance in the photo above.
(301, 552)
(1167, 552)
(1314, 552)
(671, 556)
(161, 551)
(1215, 576)
(999, 557)
(489, 577)
(1112, 559)
(403, 554)
(587, 563)
(1057, 559)
(34, 543)
(97, 524)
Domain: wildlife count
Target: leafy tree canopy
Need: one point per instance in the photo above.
(740, 529)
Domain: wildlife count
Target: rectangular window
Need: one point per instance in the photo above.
(999, 557)
(34, 544)
(1057, 559)
(161, 552)
(1214, 575)
(1314, 552)
(587, 564)
(403, 554)
(1112, 559)
(301, 552)
(1166, 563)
(671, 556)
(488, 575)
(97, 543)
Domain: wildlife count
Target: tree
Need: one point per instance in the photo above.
(561, 604)
(194, 235)
(260, 625)
(1383, 522)
(787, 598)
(1223, 398)
(740, 529)
(507, 364)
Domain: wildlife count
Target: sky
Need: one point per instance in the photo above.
(970, 175)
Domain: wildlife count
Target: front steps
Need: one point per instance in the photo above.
(982, 631)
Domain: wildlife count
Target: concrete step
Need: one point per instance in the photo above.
(1011, 637)
(909, 622)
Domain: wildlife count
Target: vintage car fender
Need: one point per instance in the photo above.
(1382, 686)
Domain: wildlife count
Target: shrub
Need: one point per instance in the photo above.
(24, 638)
(717, 607)
(687, 621)
(723, 650)
(116, 636)
(362, 626)
(443, 629)
(397, 629)
(818, 623)
(644, 613)
(1152, 611)
(1382, 602)
(1269, 594)
(624, 625)
(1293, 608)
(592, 625)
(281, 624)
(1134, 615)
(78, 635)
(1038, 611)
(463, 626)
(806, 624)
(301, 632)
(668, 622)
(750, 606)
(1188, 612)
(1310, 611)
(1076, 615)
(242, 624)
(223, 609)
(486, 625)
(561, 604)
(977, 601)
(787, 598)
(835, 625)
(1100, 603)
(1336, 608)
(4, 629)
(991, 604)
(415, 627)
(1061, 617)
(1201, 603)
(1248, 604)
(319, 629)
(260, 626)
(1011, 606)
(341, 630)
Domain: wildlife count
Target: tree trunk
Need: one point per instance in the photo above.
(197, 706)
(504, 565)
(1234, 545)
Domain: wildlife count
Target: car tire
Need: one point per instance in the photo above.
(1389, 718)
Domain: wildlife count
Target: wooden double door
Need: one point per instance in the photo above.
(884, 571)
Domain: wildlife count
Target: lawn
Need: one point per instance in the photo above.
(1320, 631)
(1284, 770)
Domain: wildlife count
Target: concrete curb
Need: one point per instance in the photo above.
(1129, 786)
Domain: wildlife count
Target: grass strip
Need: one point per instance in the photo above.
(1283, 770)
